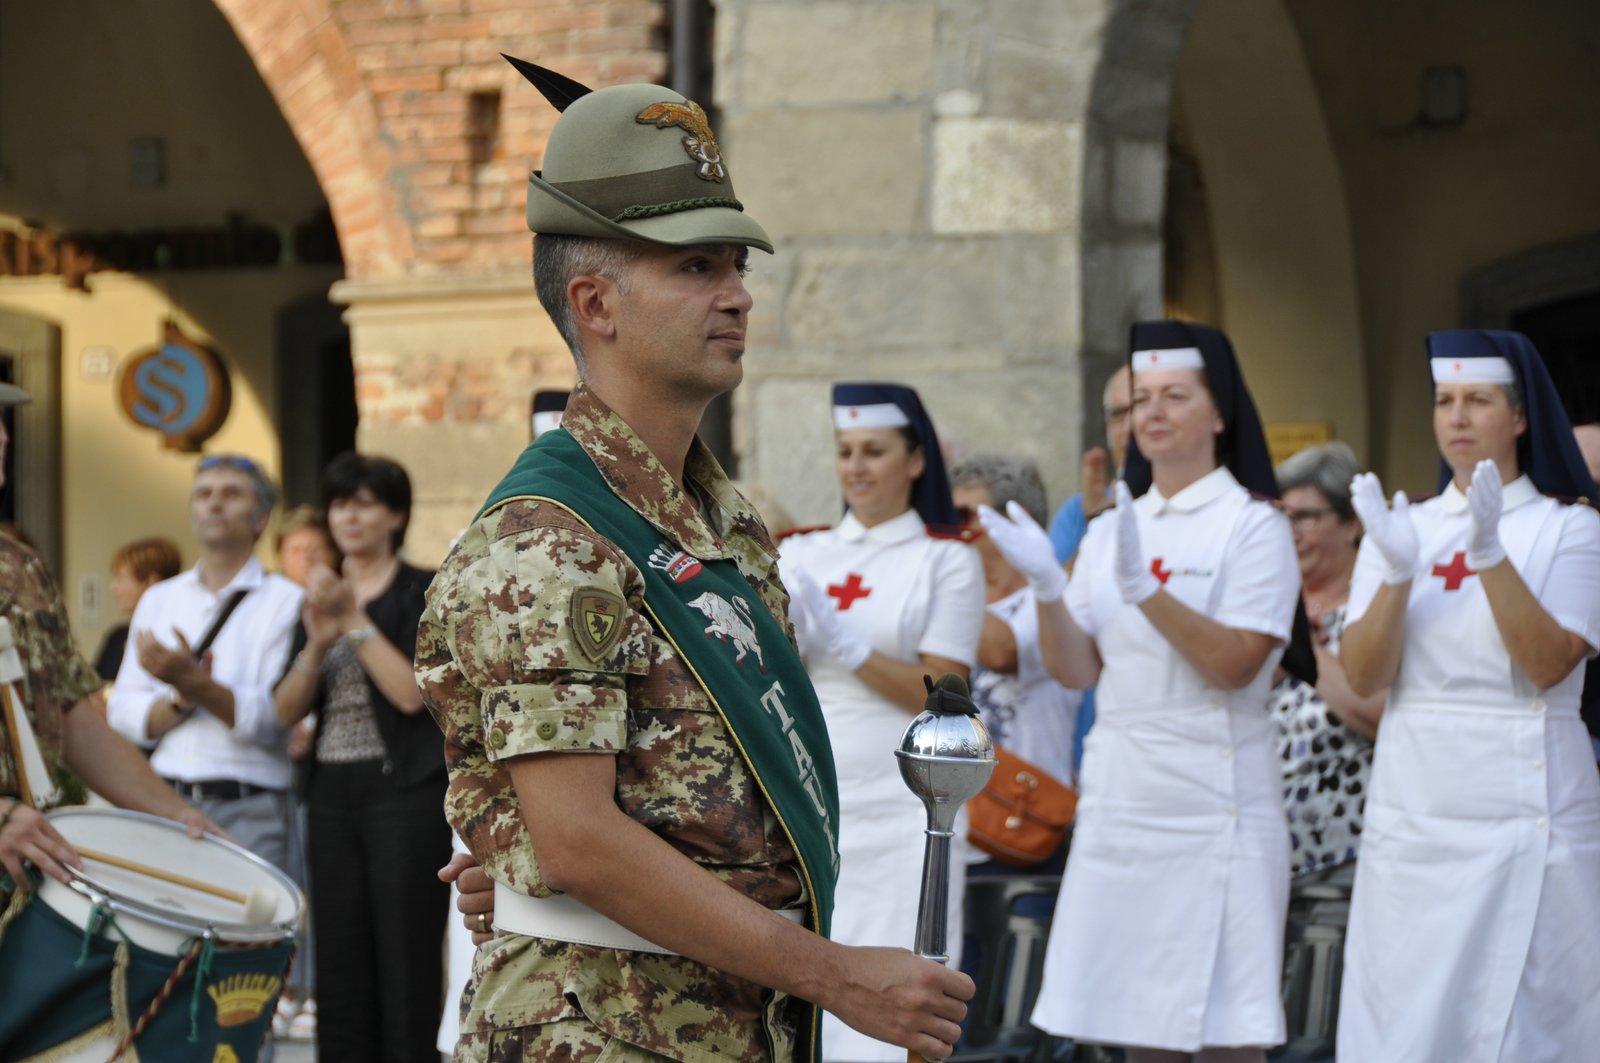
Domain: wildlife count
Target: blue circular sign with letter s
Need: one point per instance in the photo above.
(180, 389)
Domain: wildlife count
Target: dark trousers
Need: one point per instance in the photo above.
(378, 910)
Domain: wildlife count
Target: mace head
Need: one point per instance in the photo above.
(946, 754)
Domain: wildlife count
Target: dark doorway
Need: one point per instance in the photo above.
(30, 501)
(1567, 333)
(316, 395)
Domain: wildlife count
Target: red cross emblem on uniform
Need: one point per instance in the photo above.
(1455, 572)
(848, 591)
(1161, 574)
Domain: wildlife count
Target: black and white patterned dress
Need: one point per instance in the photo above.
(1326, 766)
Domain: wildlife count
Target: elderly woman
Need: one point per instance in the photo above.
(1325, 730)
(1168, 933)
(1475, 928)
(889, 595)
(377, 778)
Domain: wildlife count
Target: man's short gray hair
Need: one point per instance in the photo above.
(1329, 468)
(1008, 479)
(265, 491)
(558, 258)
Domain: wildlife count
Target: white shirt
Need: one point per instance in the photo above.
(1252, 586)
(1452, 647)
(1028, 712)
(248, 657)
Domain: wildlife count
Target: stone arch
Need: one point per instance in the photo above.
(1124, 184)
(1178, 108)
(307, 64)
(1493, 294)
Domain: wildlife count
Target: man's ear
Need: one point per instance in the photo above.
(591, 300)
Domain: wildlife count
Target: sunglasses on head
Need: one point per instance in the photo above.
(228, 461)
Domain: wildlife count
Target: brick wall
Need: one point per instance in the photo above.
(420, 133)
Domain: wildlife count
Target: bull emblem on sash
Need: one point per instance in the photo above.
(730, 622)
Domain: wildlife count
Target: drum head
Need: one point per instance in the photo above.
(170, 912)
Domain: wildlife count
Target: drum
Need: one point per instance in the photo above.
(164, 963)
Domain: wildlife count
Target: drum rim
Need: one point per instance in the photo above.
(85, 885)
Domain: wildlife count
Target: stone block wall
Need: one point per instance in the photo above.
(919, 165)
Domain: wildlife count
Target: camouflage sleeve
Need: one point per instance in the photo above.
(547, 627)
(46, 643)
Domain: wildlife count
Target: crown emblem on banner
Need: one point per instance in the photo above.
(240, 998)
(679, 566)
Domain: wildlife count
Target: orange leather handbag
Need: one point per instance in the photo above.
(1023, 814)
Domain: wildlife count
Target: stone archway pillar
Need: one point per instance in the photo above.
(445, 365)
(919, 165)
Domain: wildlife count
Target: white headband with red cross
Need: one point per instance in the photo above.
(1492, 370)
(875, 415)
(1169, 358)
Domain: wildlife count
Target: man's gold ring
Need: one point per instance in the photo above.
(483, 923)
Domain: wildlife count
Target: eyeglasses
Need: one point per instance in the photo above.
(1306, 519)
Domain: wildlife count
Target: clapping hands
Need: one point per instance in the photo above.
(1390, 530)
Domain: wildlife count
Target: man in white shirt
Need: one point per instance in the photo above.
(206, 648)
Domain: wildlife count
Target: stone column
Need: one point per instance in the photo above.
(919, 166)
(445, 366)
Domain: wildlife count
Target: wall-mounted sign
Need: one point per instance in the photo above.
(1288, 438)
(180, 389)
(237, 244)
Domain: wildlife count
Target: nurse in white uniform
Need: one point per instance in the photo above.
(889, 595)
(1475, 927)
(1168, 933)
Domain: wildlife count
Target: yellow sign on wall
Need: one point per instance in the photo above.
(1288, 438)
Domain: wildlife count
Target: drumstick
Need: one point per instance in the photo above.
(166, 876)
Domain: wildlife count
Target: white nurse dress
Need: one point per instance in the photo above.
(905, 593)
(1475, 926)
(1168, 929)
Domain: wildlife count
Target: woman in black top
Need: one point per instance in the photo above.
(376, 779)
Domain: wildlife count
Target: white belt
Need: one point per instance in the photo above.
(565, 918)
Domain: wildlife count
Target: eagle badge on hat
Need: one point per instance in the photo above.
(633, 162)
(701, 143)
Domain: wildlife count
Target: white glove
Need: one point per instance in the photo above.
(1390, 530)
(1026, 548)
(1134, 578)
(823, 634)
(1485, 499)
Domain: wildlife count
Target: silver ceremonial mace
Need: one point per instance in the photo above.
(946, 756)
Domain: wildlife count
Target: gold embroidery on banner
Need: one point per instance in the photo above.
(239, 999)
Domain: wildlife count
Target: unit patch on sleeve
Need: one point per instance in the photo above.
(596, 621)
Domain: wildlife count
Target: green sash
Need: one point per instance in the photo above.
(734, 647)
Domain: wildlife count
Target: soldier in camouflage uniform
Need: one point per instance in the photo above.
(586, 758)
(61, 696)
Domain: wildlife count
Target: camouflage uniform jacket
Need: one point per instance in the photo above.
(504, 674)
(55, 676)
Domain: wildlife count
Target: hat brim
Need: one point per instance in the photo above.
(552, 211)
(11, 395)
